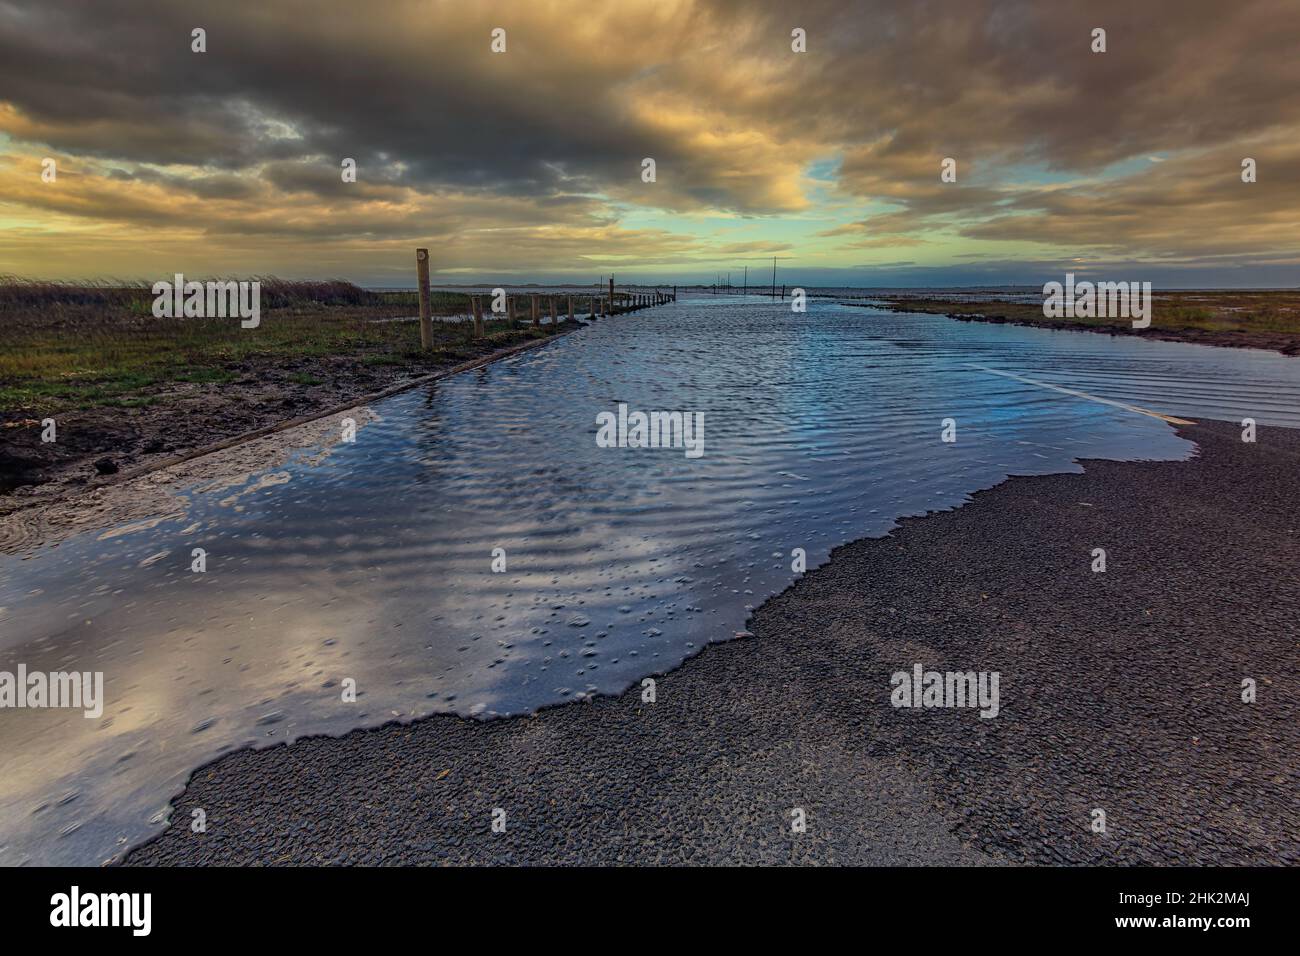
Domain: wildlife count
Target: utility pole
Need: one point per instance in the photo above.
(746, 280)
(774, 277)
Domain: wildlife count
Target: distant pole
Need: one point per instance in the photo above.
(426, 319)
(746, 292)
(774, 277)
(555, 316)
(611, 295)
(537, 316)
(570, 308)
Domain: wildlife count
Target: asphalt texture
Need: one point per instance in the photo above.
(1119, 691)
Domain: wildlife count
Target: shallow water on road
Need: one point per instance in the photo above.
(372, 561)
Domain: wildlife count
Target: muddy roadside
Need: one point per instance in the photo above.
(182, 415)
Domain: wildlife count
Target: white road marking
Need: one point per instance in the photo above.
(1078, 394)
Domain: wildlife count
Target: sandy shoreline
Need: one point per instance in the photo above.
(1119, 691)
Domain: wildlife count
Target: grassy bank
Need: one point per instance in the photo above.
(123, 384)
(86, 346)
(1268, 319)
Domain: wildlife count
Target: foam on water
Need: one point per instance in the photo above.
(372, 560)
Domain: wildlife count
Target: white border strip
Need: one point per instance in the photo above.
(1078, 394)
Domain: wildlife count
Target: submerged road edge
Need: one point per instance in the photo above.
(1121, 692)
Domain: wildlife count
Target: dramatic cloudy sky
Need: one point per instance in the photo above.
(527, 164)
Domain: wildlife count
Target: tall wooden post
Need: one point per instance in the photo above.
(555, 318)
(611, 295)
(570, 308)
(532, 302)
(426, 319)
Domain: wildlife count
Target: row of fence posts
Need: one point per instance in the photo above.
(613, 303)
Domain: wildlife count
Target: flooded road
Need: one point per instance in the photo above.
(370, 564)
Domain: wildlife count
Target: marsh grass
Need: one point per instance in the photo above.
(82, 345)
(1275, 311)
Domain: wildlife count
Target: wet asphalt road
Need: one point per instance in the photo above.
(1119, 691)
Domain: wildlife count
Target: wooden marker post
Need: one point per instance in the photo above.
(611, 295)
(555, 318)
(537, 316)
(426, 318)
(570, 308)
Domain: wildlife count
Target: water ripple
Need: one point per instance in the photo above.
(373, 562)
